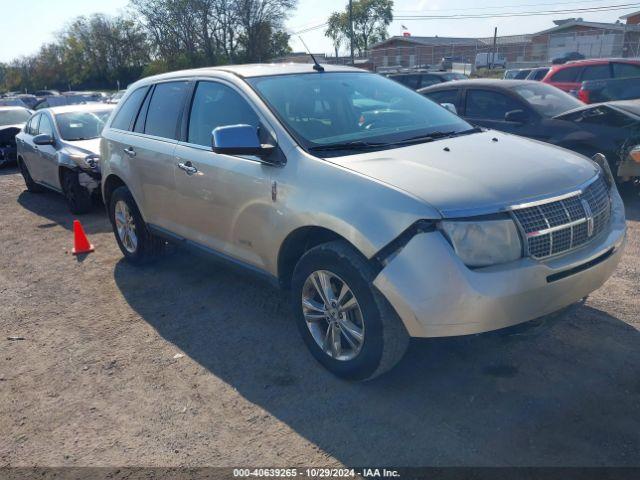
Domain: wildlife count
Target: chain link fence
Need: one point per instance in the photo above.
(517, 51)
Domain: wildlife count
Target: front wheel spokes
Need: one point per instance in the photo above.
(313, 311)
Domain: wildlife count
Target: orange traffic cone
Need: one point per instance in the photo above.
(80, 241)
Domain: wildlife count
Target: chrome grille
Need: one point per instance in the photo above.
(559, 226)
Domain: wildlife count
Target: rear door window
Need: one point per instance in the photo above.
(165, 108)
(127, 113)
(621, 70)
(566, 75)
(488, 105)
(596, 72)
(216, 105)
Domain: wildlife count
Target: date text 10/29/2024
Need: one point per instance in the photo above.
(315, 473)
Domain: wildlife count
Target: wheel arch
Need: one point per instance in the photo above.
(62, 171)
(297, 243)
(110, 183)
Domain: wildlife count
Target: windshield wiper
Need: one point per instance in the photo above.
(360, 145)
(348, 146)
(437, 136)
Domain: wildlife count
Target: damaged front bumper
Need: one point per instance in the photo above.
(89, 179)
(436, 295)
(7, 154)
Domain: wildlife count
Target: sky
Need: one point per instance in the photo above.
(23, 29)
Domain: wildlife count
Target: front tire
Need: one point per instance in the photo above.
(348, 326)
(78, 198)
(137, 244)
(31, 185)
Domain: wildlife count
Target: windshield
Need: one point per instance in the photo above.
(547, 100)
(81, 125)
(14, 117)
(323, 109)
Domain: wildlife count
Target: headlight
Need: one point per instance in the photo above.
(634, 154)
(484, 242)
(93, 161)
(90, 162)
(603, 163)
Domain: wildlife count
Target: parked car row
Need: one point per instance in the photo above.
(383, 215)
(542, 112)
(421, 79)
(49, 98)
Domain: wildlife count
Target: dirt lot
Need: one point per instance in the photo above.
(96, 380)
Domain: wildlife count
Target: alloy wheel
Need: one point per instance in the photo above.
(332, 315)
(125, 226)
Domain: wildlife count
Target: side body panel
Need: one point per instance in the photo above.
(223, 204)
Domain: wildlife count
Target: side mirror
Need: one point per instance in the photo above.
(43, 139)
(450, 106)
(516, 116)
(239, 140)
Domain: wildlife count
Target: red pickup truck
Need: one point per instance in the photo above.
(569, 77)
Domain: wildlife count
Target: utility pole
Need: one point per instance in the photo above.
(351, 31)
(493, 51)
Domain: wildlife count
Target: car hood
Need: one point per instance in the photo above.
(84, 146)
(476, 174)
(628, 106)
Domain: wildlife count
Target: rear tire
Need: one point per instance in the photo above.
(379, 338)
(78, 198)
(137, 244)
(31, 185)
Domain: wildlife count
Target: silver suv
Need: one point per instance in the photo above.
(385, 215)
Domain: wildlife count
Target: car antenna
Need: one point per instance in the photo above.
(316, 66)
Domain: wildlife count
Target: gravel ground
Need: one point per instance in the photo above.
(193, 362)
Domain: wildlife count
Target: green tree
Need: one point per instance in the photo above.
(338, 30)
(371, 19)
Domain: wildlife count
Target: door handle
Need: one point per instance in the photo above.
(188, 167)
(130, 151)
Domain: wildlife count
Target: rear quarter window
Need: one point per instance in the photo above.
(125, 116)
(621, 70)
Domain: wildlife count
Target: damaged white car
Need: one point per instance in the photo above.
(59, 149)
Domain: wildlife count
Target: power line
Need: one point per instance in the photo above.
(495, 15)
(624, 6)
(486, 7)
(311, 26)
